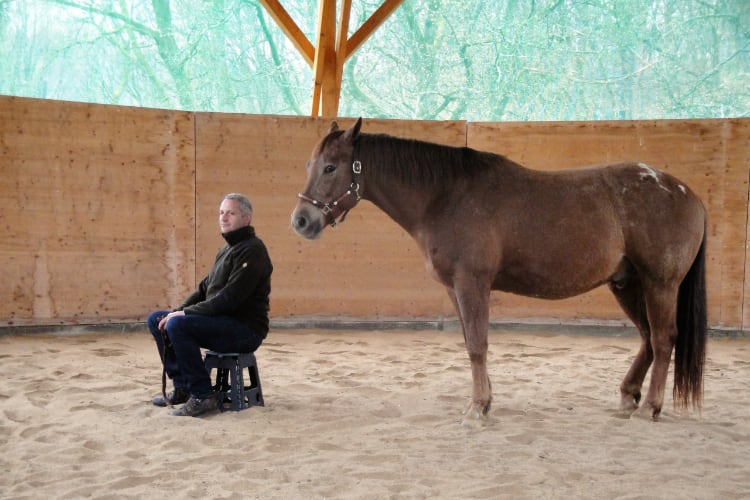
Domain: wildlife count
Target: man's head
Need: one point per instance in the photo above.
(235, 212)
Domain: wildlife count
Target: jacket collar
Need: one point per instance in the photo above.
(243, 233)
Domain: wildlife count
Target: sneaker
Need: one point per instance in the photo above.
(176, 397)
(195, 407)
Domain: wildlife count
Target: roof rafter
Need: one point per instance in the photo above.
(332, 47)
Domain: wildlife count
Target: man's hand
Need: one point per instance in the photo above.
(163, 322)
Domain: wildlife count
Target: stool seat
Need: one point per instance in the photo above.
(230, 382)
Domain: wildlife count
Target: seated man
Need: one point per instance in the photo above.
(228, 312)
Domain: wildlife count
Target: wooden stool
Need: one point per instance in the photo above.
(230, 383)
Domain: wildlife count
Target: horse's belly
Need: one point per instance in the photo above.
(557, 279)
(544, 288)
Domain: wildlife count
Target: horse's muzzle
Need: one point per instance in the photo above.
(307, 223)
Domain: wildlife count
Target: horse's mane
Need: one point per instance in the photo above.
(421, 163)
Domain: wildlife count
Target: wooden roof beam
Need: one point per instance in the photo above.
(290, 29)
(332, 47)
(371, 25)
(324, 67)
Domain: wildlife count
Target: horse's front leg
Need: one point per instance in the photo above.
(472, 306)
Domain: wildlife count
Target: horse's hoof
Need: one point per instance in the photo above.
(473, 423)
(474, 419)
(475, 415)
(647, 412)
(652, 410)
(628, 404)
(626, 412)
(655, 414)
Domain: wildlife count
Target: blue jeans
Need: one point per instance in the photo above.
(187, 334)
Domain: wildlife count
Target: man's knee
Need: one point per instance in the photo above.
(153, 318)
(176, 328)
(153, 322)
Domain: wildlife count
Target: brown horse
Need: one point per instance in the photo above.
(486, 223)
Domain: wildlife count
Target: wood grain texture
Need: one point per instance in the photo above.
(97, 211)
(109, 212)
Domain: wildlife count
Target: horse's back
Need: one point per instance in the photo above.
(634, 200)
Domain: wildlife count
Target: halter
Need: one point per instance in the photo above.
(333, 209)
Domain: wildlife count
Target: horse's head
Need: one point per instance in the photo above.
(332, 187)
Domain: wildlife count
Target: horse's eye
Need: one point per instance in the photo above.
(329, 169)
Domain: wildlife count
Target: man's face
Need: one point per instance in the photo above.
(230, 216)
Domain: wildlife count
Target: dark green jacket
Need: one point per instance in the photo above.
(239, 283)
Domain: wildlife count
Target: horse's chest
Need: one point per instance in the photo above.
(440, 261)
(437, 272)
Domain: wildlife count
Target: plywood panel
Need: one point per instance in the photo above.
(96, 211)
(694, 151)
(738, 156)
(735, 157)
(366, 267)
(107, 212)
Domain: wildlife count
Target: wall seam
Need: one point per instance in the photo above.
(195, 200)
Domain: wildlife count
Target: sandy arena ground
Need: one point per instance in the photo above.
(360, 414)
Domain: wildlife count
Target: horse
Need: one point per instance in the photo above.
(484, 223)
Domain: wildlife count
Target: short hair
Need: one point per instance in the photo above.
(245, 206)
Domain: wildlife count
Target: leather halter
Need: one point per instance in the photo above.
(333, 209)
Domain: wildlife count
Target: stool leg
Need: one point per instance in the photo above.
(238, 387)
(222, 386)
(255, 393)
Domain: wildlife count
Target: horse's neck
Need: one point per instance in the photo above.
(398, 197)
(402, 203)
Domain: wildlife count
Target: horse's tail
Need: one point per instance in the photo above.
(692, 332)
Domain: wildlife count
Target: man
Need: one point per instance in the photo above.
(228, 312)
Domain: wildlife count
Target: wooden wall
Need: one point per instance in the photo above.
(109, 212)
(97, 211)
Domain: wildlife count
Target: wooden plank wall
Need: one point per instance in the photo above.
(97, 211)
(109, 212)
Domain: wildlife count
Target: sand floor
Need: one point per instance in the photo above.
(359, 414)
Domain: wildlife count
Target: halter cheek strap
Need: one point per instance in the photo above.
(333, 209)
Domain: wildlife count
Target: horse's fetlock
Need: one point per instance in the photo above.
(655, 414)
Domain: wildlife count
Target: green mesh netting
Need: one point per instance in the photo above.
(432, 59)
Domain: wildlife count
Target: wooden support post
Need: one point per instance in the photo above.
(341, 56)
(332, 47)
(324, 67)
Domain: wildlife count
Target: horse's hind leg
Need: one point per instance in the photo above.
(629, 294)
(661, 302)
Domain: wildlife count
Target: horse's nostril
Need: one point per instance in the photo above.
(300, 222)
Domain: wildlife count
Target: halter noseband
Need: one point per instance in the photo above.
(332, 210)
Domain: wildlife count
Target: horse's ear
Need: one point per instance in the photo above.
(334, 127)
(352, 132)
